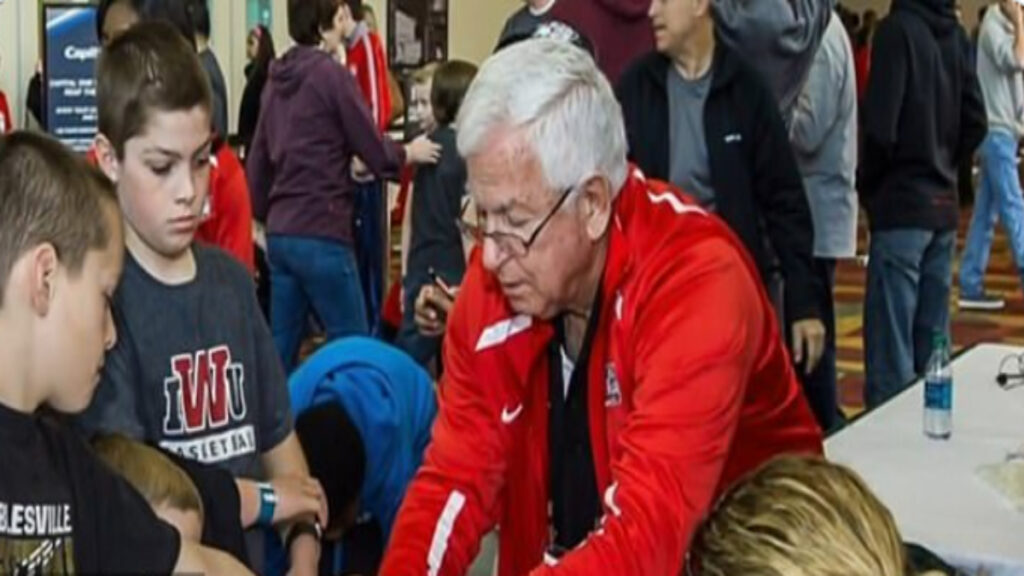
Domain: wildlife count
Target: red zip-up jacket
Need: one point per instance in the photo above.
(366, 60)
(690, 389)
(229, 225)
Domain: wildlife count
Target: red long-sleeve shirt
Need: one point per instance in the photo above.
(366, 60)
(690, 388)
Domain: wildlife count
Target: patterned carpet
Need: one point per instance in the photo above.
(968, 327)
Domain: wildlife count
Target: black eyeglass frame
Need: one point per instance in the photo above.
(506, 240)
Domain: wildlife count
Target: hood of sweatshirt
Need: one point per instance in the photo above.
(288, 73)
(940, 15)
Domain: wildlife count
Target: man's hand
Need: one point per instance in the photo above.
(1015, 13)
(299, 497)
(422, 150)
(259, 235)
(810, 334)
(433, 305)
(360, 172)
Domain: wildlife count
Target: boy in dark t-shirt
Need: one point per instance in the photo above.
(61, 510)
(436, 246)
(194, 371)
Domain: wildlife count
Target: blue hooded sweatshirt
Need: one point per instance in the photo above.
(391, 402)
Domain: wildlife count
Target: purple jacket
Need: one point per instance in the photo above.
(313, 120)
(619, 29)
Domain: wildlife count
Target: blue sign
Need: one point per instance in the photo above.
(69, 71)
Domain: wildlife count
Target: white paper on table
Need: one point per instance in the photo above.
(1007, 479)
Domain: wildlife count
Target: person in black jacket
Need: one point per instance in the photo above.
(698, 116)
(923, 114)
(260, 50)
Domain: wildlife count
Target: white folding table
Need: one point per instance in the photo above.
(931, 486)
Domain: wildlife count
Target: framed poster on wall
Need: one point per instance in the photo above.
(417, 32)
(70, 49)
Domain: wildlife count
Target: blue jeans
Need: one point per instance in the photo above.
(910, 274)
(307, 272)
(998, 198)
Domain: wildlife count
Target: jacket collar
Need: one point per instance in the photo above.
(723, 67)
(619, 262)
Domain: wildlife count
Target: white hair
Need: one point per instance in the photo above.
(555, 93)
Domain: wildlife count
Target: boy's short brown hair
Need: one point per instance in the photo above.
(151, 473)
(49, 195)
(451, 81)
(306, 18)
(149, 68)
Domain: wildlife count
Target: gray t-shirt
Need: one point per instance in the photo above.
(688, 151)
(194, 370)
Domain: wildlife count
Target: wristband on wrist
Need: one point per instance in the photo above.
(301, 528)
(268, 502)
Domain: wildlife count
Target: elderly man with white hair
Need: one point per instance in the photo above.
(612, 363)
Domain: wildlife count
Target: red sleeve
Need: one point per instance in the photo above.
(230, 224)
(380, 84)
(6, 122)
(357, 64)
(367, 62)
(687, 400)
(453, 500)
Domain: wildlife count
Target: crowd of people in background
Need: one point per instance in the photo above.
(614, 330)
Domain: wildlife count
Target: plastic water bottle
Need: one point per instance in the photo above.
(938, 391)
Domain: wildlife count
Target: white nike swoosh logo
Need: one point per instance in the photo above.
(508, 417)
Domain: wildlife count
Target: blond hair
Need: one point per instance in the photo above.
(152, 474)
(800, 517)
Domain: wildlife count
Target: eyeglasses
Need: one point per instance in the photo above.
(511, 244)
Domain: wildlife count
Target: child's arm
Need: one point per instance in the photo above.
(283, 457)
(298, 498)
(284, 461)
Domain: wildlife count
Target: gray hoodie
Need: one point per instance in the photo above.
(778, 37)
(1000, 74)
(824, 138)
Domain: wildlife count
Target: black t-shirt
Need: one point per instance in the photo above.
(436, 204)
(64, 512)
(221, 506)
